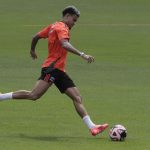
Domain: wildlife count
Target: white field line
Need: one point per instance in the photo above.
(105, 25)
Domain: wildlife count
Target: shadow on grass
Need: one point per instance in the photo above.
(60, 138)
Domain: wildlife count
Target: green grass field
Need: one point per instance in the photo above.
(115, 88)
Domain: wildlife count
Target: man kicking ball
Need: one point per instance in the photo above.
(53, 68)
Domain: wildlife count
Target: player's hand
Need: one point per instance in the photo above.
(88, 58)
(33, 54)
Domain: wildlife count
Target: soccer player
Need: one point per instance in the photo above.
(53, 68)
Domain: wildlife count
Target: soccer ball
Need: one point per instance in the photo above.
(118, 133)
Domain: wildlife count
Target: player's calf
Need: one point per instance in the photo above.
(33, 96)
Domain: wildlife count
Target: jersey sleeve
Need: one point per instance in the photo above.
(63, 33)
(44, 32)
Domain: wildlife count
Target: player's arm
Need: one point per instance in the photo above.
(33, 46)
(66, 45)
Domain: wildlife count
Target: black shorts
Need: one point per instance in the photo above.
(58, 77)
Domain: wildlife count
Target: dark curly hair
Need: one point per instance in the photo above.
(71, 10)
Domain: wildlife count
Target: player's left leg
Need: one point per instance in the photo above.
(39, 89)
(74, 94)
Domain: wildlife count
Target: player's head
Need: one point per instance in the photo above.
(70, 15)
(72, 10)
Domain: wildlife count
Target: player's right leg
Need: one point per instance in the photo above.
(74, 94)
(39, 89)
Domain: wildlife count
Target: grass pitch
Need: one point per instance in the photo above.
(115, 88)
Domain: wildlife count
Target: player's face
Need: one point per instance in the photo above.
(71, 20)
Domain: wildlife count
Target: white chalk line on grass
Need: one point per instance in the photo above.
(105, 25)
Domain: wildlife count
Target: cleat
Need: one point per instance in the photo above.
(98, 129)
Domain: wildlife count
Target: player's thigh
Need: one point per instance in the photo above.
(41, 87)
(73, 92)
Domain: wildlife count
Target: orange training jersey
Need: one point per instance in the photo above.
(55, 32)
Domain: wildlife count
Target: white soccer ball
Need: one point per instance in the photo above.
(118, 133)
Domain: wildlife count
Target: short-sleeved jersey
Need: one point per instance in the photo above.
(56, 53)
